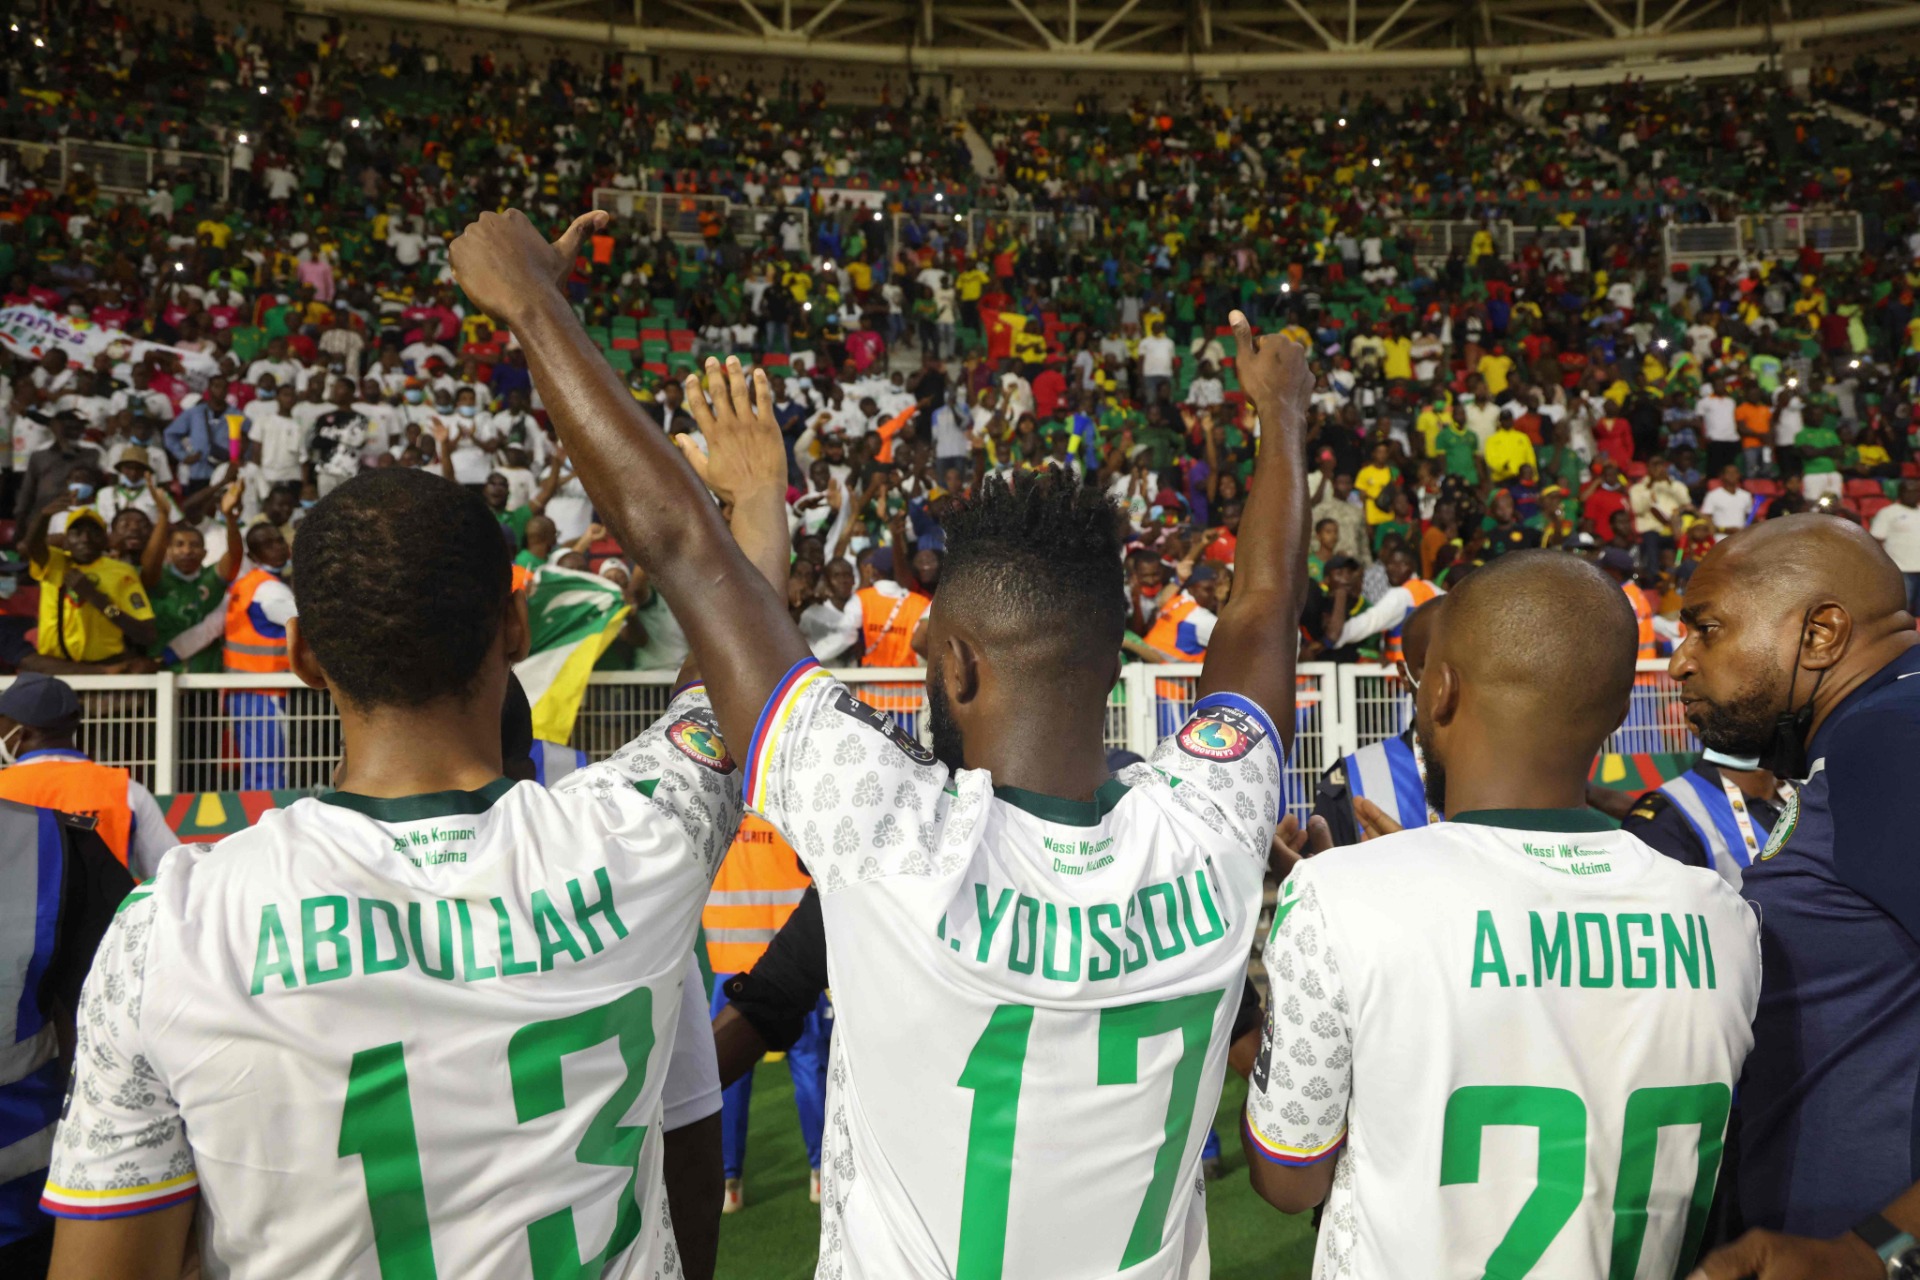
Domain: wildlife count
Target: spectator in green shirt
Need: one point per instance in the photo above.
(188, 595)
(1822, 451)
(1459, 448)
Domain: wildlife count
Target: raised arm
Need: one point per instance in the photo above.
(736, 624)
(1255, 644)
(153, 558)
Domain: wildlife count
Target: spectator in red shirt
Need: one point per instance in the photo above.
(1613, 435)
(1604, 495)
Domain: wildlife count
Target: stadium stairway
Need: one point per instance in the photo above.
(1867, 125)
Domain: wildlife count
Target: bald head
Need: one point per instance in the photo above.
(1795, 563)
(1787, 616)
(1544, 638)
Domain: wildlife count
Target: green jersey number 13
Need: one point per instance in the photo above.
(376, 1124)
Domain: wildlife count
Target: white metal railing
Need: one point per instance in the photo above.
(117, 167)
(677, 214)
(1767, 235)
(180, 733)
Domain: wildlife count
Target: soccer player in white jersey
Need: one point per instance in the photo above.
(418, 1026)
(1506, 1043)
(1035, 965)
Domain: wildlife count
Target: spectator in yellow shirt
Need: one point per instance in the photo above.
(1374, 480)
(93, 610)
(1496, 367)
(1508, 450)
(1396, 362)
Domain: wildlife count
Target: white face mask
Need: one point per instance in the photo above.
(6, 745)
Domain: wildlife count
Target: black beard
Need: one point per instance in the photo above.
(1742, 726)
(949, 744)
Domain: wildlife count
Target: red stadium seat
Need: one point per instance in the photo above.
(1635, 470)
(1765, 488)
(653, 335)
(1865, 489)
(626, 344)
(1910, 470)
(681, 339)
(1870, 507)
(775, 360)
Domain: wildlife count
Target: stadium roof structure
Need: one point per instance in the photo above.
(1187, 37)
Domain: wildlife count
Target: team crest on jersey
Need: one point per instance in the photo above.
(697, 737)
(884, 724)
(1783, 826)
(1220, 734)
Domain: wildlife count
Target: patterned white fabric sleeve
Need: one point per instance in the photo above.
(852, 791)
(1226, 768)
(121, 1148)
(1297, 1095)
(678, 764)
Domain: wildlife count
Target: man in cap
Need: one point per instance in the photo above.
(39, 722)
(93, 609)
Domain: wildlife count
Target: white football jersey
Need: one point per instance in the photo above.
(1518, 1034)
(1033, 996)
(389, 1038)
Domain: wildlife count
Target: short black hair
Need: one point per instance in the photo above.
(1042, 552)
(402, 581)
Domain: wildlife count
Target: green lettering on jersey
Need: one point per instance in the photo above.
(990, 918)
(1032, 909)
(1135, 958)
(603, 906)
(1687, 953)
(1592, 923)
(1069, 972)
(371, 961)
(312, 936)
(508, 965)
(1178, 944)
(1096, 971)
(1649, 960)
(444, 918)
(470, 971)
(1706, 947)
(1216, 927)
(1487, 956)
(1548, 952)
(273, 958)
(553, 933)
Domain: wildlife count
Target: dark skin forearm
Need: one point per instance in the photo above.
(696, 1185)
(659, 511)
(1255, 644)
(736, 1044)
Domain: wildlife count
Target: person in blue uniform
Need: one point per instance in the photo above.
(1800, 650)
(1386, 773)
(1717, 815)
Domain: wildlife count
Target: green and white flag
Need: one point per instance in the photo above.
(574, 617)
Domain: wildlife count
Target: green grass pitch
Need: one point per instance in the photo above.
(775, 1236)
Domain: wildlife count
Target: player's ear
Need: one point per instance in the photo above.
(1825, 636)
(1444, 698)
(300, 658)
(960, 671)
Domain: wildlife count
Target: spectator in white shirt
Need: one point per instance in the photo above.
(1156, 364)
(284, 369)
(1207, 389)
(279, 442)
(1718, 425)
(1727, 506)
(472, 441)
(408, 245)
(1897, 526)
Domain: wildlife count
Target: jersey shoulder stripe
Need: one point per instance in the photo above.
(773, 717)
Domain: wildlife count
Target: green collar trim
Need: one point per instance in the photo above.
(433, 804)
(1538, 819)
(1069, 813)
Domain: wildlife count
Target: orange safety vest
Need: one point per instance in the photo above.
(1422, 591)
(1164, 633)
(886, 627)
(1643, 617)
(758, 887)
(248, 648)
(522, 577)
(76, 786)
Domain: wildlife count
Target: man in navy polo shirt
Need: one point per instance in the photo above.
(1800, 649)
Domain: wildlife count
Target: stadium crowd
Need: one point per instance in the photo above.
(307, 327)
